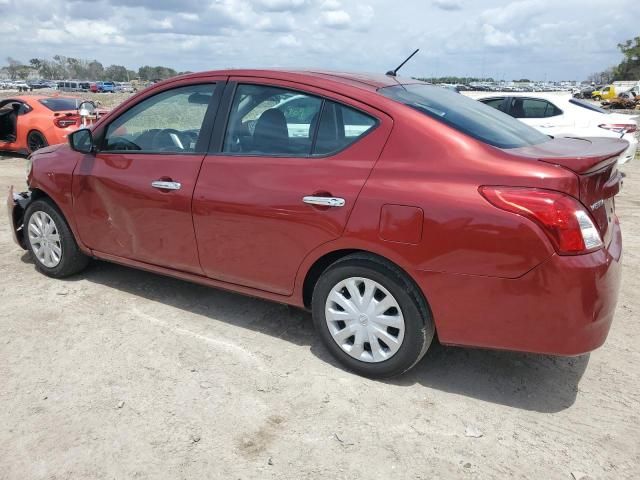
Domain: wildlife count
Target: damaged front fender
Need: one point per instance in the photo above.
(17, 204)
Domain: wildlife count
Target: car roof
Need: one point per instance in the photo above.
(366, 81)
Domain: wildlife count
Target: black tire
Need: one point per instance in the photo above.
(597, 98)
(72, 260)
(36, 141)
(419, 326)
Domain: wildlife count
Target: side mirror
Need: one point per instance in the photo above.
(82, 141)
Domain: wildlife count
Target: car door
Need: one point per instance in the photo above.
(132, 198)
(273, 189)
(541, 114)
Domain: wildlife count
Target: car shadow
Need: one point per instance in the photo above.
(532, 382)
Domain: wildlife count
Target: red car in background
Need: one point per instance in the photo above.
(390, 208)
(31, 122)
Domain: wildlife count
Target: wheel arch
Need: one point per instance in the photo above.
(324, 261)
(38, 194)
(39, 132)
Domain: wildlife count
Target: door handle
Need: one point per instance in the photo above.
(324, 201)
(166, 185)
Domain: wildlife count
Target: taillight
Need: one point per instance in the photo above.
(564, 219)
(66, 121)
(620, 127)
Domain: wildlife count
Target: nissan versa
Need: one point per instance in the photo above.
(392, 209)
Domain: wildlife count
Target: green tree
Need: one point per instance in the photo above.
(629, 68)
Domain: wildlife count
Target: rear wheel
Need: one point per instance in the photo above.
(597, 98)
(36, 141)
(51, 242)
(371, 317)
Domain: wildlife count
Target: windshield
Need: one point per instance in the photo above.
(60, 104)
(587, 105)
(469, 116)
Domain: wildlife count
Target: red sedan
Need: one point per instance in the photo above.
(30, 122)
(390, 208)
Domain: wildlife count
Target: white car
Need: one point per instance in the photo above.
(560, 115)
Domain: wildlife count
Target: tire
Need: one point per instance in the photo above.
(361, 271)
(70, 260)
(597, 98)
(36, 141)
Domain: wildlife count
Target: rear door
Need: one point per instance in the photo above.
(289, 165)
(133, 197)
(541, 114)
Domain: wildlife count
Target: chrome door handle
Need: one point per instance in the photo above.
(324, 201)
(164, 185)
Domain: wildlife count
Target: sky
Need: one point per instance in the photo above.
(536, 39)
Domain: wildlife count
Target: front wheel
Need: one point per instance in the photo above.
(371, 317)
(51, 242)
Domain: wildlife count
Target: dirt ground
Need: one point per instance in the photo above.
(121, 374)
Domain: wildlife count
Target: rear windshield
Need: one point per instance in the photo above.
(60, 104)
(466, 115)
(587, 105)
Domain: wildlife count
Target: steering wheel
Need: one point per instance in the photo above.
(121, 143)
(168, 139)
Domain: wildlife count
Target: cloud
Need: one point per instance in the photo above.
(504, 39)
(448, 5)
(336, 19)
(281, 5)
(497, 38)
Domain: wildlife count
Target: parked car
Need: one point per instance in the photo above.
(22, 86)
(29, 123)
(564, 116)
(125, 87)
(106, 87)
(607, 92)
(437, 214)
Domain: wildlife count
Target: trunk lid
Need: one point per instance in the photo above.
(594, 161)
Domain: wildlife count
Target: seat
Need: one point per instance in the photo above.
(517, 110)
(271, 134)
(9, 122)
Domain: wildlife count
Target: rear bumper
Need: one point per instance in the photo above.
(16, 206)
(564, 306)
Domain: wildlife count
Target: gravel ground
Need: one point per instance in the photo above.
(118, 374)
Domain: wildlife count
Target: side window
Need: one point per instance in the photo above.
(496, 103)
(339, 127)
(271, 121)
(170, 121)
(533, 108)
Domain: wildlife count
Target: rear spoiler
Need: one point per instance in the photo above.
(580, 155)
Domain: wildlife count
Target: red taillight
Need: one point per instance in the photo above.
(620, 127)
(66, 121)
(565, 220)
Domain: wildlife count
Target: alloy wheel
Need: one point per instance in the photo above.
(36, 141)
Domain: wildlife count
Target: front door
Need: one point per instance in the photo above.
(288, 173)
(133, 197)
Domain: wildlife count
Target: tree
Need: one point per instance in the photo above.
(629, 68)
(116, 73)
(13, 67)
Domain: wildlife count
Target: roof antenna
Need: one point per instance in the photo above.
(394, 72)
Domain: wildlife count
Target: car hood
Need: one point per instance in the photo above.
(47, 150)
